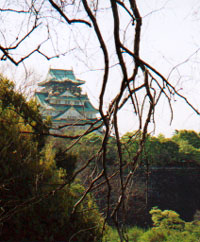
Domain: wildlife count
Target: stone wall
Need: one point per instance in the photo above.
(172, 188)
(176, 189)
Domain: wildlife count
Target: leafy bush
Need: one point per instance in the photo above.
(168, 227)
(166, 219)
(135, 233)
(132, 234)
(35, 206)
(111, 235)
(153, 236)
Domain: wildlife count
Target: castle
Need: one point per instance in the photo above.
(62, 99)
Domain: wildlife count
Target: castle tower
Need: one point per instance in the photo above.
(61, 98)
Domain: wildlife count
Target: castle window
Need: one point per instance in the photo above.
(57, 101)
(77, 102)
(67, 102)
(54, 101)
(72, 117)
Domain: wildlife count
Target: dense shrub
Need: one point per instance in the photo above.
(35, 205)
(167, 227)
(166, 219)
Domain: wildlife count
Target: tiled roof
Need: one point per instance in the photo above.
(57, 75)
(41, 97)
(87, 107)
(61, 74)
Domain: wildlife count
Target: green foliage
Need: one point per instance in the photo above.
(168, 227)
(168, 236)
(189, 145)
(193, 228)
(132, 234)
(166, 219)
(111, 235)
(190, 136)
(183, 148)
(66, 161)
(135, 233)
(157, 151)
(153, 236)
(161, 151)
(130, 144)
(89, 145)
(35, 206)
(188, 152)
(169, 224)
(18, 114)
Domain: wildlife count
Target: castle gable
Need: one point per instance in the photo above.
(71, 113)
(67, 94)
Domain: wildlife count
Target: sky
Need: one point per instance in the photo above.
(170, 42)
(172, 37)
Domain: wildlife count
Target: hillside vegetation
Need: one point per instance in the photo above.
(36, 195)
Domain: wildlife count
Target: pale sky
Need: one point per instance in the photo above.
(170, 36)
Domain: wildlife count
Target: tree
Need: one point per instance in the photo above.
(190, 136)
(189, 145)
(166, 219)
(36, 186)
(140, 85)
(157, 151)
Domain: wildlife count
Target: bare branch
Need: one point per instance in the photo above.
(54, 5)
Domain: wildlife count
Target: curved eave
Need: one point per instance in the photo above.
(61, 81)
(85, 121)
